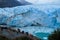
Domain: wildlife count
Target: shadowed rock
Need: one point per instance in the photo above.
(12, 3)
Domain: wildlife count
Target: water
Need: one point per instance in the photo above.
(43, 36)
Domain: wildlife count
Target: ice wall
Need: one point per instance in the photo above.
(30, 15)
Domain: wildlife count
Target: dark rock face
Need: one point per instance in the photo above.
(55, 35)
(12, 3)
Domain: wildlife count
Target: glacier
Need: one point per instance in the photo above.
(32, 18)
(31, 14)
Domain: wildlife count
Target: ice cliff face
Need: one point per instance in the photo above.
(31, 15)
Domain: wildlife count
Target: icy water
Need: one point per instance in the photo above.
(43, 36)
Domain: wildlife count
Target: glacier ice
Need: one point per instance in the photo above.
(58, 13)
(30, 14)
